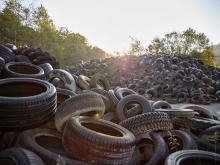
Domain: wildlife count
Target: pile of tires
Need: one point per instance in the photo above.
(50, 116)
(176, 79)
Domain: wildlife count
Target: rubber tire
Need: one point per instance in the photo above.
(22, 58)
(83, 82)
(201, 110)
(98, 77)
(47, 67)
(2, 64)
(7, 54)
(23, 70)
(120, 93)
(146, 122)
(103, 143)
(66, 77)
(25, 103)
(145, 105)
(178, 157)
(28, 140)
(187, 141)
(90, 103)
(63, 94)
(20, 156)
(110, 116)
(161, 105)
(112, 96)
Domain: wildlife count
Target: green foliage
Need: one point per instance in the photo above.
(188, 42)
(33, 26)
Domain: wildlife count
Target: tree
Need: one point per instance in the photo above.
(136, 47)
(188, 42)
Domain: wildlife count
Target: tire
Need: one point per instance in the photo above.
(98, 141)
(146, 122)
(178, 140)
(196, 157)
(160, 150)
(47, 144)
(19, 156)
(7, 54)
(99, 81)
(140, 100)
(66, 77)
(196, 123)
(189, 113)
(106, 99)
(83, 82)
(120, 93)
(89, 104)
(112, 96)
(23, 70)
(161, 105)
(2, 64)
(22, 58)
(110, 116)
(203, 112)
(63, 94)
(25, 103)
(181, 97)
(47, 67)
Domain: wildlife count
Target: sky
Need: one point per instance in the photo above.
(109, 24)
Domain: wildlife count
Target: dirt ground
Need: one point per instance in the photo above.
(214, 108)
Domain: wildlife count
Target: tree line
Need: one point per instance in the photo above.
(32, 26)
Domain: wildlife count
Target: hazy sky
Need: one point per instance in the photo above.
(109, 23)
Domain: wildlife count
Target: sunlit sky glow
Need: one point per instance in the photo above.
(109, 23)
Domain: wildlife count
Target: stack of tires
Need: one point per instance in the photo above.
(50, 116)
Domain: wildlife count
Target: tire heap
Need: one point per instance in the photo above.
(50, 116)
(176, 79)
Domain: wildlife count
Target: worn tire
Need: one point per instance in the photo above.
(47, 144)
(83, 82)
(145, 105)
(23, 70)
(26, 103)
(99, 81)
(178, 158)
(161, 105)
(98, 141)
(120, 93)
(66, 77)
(7, 54)
(47, 67)
(63, 94)
(19, 156)
(89, 104)
(146, 122)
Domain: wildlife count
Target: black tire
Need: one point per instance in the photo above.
(88, 104)
(138, 99)
(159, 149)
(189, 113)
(192, 157)
(110, 116)
(161, 105)
(83, 82)
(7, 54)
(99, 81)
(2, 64)
(106, 99)
(22, 69)
(112, 96)
(22, 58)
(120, 93)
(195, 123)
(146, 122)
(178, 140)
(203, 112)
(66, 77)
(26, 103)
(47, 144)
(98, 141)
(19, 156)
(63, 94)
(47, 67)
